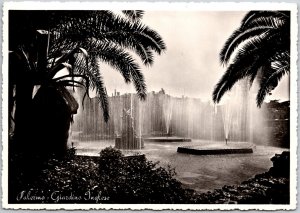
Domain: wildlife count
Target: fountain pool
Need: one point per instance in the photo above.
(167, 139)
(166, 123)
(201, 173)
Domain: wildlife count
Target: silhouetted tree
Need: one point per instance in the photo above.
(259, 48)
(44, 43)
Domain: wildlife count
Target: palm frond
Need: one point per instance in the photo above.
(132, 42)
(253, 16)
(139, 83)
(71, 83)
(253, 75)
(237, 38)
(262, 45)
(60, 64)
(233, 74)
(268, 22)
(246, 63)
(146, 55)
(250, 27)
(115, 57)
(92, 72)
(124, 63)
(70, 76)
(134, 15)
(98, 84)
(270, 79)
(106, 26)
(115, 23)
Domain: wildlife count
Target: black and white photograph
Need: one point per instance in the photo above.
(114, 105)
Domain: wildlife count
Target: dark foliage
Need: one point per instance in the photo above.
(110, 178)
(259, 49)
(114, 178)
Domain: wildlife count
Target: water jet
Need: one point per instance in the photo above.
(128, 139)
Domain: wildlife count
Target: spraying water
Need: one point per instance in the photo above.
(168, 110)
(227, 112)
(235, 119)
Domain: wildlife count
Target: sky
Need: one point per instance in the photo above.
(190, 66)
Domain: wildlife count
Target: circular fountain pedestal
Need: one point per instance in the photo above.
(218, 148)
(167, 139)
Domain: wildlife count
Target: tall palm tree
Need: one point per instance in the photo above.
(259, 48)
(42, 43)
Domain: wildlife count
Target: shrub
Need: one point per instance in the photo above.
(136, 180)
(110, 158)
(70, 153)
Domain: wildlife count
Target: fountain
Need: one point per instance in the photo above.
(128, 140)
(163, 118)
(234, 119)
(167, 103)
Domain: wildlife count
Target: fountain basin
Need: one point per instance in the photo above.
(218, 149)
(167, 139)
(129, 143)
(126, 156)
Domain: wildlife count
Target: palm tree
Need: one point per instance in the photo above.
(42, 43)
(258, 49)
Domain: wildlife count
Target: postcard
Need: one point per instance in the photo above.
(149, 105)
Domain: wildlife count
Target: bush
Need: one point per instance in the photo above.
(70, 153)
(136, 180)
(281, 165)
(110, 158)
